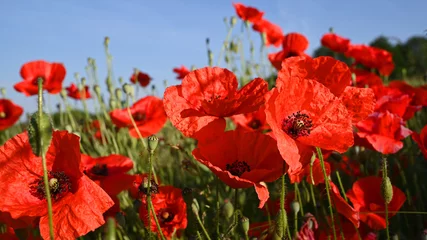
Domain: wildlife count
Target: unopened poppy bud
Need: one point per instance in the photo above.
(106, 41)
(245, 225)
(295, 207)
(227, 209)
(281, 223)
(121, 81)
(63, 94)
(3, 92)
(118, 93)
(386, 190)
(97, 89)
(210, 55)
(234, 47)
(40, 133)
(128, 89)
(83, 80)
(153, 141)
(233, 21)
(195, 207)
(113, 103)
(331, 30)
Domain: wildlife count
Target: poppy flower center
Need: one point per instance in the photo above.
(100, 170)
(255, 124)
(143, 187)
(291, 54)
(2, 115)
(139, 116)
(59, 185)
(297, 125)
(237, 168)
(166, 216)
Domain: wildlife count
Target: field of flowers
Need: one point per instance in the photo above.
(274, 146)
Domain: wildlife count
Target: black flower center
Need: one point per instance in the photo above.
(139, 116)
(292, 54)
(143, 187)
(2, 115)
(255, 124)
(297, 125)
(100, 170)
(237, 168)
(165, 216)
(59, 185)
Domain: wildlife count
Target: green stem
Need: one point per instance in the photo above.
(203, 227)
(325, 176)
(159, 229)
(45, 173)
(386, 220)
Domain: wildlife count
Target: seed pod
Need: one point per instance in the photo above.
(153, 141)
(228, 209)
(40, 128)
(295, 207)
(244, 221)
(386, 190)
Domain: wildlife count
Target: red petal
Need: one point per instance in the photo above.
(360, 102)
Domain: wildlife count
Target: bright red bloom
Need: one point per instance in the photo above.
(302, 110)
(148, 114)
(53, 75)
(392, 100)
(421, 140)
(254, 121)
(372, 57)
(198, 106)
(419, 94)
(250, 14)
(335, 43)
(171, 211)
(9, 113)
(78, 203)
(366, 78)
(143, 78)
(273, 33)
(74, 92)
(243, 159)
(366, 198)
(384, 131)
(181, 72)
(294, 44)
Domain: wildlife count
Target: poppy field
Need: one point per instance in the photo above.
(257, 144)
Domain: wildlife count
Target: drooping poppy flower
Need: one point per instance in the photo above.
(139, 188)
(242, 160)
(372, 57)
(198, 106)
(53, 75)
(366, 198)
(335, 43)
(306, 231)
(9, 113)
(294, 44)
(181, 72)
(171, 211)
(273, 33)
(148, 114)
(421, 140)
(247, 13)
(383, 131)
(142, 78)
(76, 93)
(302, 110)
(78, 203)
(366, 78)
(254, 121)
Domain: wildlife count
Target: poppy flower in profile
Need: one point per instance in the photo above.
(9, 113)
(242, 160)
(294, 44)
(171, 211)
(335, 43)
(74, 92)
(421, 140)
(254, 121)
(247, 13)
(142, 78)
(372, 57)
(273, 33)
(366, 198)
(53, 75)
(78, 203)
(148, 114)
(181, 72)
(384, 132)
(366, 78)
(206, 96)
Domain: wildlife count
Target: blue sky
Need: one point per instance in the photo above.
(156, 36)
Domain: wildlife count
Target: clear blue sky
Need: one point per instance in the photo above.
(156, 36)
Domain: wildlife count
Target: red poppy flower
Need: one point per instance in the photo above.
(254, 121)
(306, 231)
(250, 14)
(143, 78)
(148, 114)
(366, 198)
(9, 113)
(273, 33)
(342, 207)
(384, 131)
(348, 166)
(78, 203)
(366, 78)
(335, 43)
(421, 140)
(22, 222)
(392, 100)
(139, 187)
(198, 106)
(419, 94)
(53, 75)
(243, 159)
(171, 211)
(372, 57)
(181, 72)
(294, 44)
(302, 110)
(314, 173)
(74, 92)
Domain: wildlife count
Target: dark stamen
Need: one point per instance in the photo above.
(237, 168)
(297, 125)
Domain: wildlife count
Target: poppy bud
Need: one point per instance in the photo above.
(245, 225)
(331, 30)
(106, 41)
(295, 207)
(233, 21)
(121, 81)
(227, 209)
(97, 89)
(210, 56)
(63, 94)
(234, 47)
(113, 103)
(195, 207)
(3, 92)
(118, 93)
(83, 81)
(281, 224)
(386, 190)
(40, 128)
(128, 89)
(153, 141)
